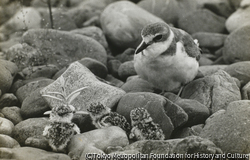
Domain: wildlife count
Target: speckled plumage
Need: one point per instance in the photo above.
(143, 127)
(102, 117)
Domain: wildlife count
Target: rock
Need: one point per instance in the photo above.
(126, 69)
(25, 18)
(209, 70)
(137, 84)
(238, 19)
(244, 3)
(6, 45)
(197, 112)
(8, 99)
(8, 142)
(215, 91)
(34, 105)
(29, 153)
(30, 87)
(13, 114)
(113, 66)
(169, 10)
(38, 142)
(7, 73)
(32, 127)
(204, 61)
(246, 92)
(93, 32)
(210, 40)
(153, 103)
(235, 3)
(237, 45)
(6, 126)
(239, 70)
(96, 141)
(127, 55)
(96, 67)
(202, 21)
(122, 23)
(182, 147)
(114, 81)
(39, 71)
(234, 121)
(64, 47)
(77, 76)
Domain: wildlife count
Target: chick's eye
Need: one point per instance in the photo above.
(157, 38)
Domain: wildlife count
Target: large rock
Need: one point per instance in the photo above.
(96, 141)
(29, 153)
(153, 103)
(237, 45)
(230, 127)
(238, 19)
(8, 142)
(210, 40)
(77, 76)
(7, 73)
(8, 99)
(126, 69)
(202, 21)
(209, 70)
(6, 126)
(169, 10)
(32, 127)
(122, 23)
(13, 114)
(215, 91)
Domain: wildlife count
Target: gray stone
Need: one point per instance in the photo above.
(8, 99)
(246, 91)
(230, 127)
(237, 45)
(122, 23)
(114, 81)
(77, 76)
(8, 142)
(202, 21)
(204, 61)
(215, 91)
(209, 70)
(32, 127)
(127, 55)
(210, 40)
(113, 66)
(6, 126)
(13, 114)
(38, 142)
(126, 69)
(96, 141)
(153, 103)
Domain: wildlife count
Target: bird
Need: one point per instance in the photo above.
(103, 117)
(143, 127)
(61, 129)
(167, 57)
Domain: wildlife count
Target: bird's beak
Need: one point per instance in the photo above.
(141, 47)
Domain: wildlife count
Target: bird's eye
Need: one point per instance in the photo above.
(157, 38)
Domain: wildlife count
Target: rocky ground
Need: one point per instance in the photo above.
(92, 44)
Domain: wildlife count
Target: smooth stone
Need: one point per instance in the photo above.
(26, 90)
(204, 61)
(6, 45)
(215, 91)
(238, 19)
(235, 120)
(96, 67)
(154, 104)
(6, 126)
(237, 45)
(8, 142)
(34, 105)
(7, 73)
(13, 114)
(188, 145)
(210, 40)
(209, 70)
(188, 131)
(32, 127)
(38, 142)
(29, 153)
(137, 84)
(126, 69)
(240, 70)
(127, 55)
(202, 21)
(169, 10)
(78, 76)
(8, 99)
(246, 91)
(113, 66)
(96, 140)
(122, 23)
(114, 81)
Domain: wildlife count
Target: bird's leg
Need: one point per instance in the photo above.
(179, 93)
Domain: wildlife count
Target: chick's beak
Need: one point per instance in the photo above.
(141, 47)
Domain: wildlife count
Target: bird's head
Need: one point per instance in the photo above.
(156, 38)
(97, 109)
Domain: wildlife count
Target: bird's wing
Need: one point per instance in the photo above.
(191, 47)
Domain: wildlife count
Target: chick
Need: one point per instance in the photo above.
(143, 127)
(103, 117)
